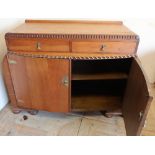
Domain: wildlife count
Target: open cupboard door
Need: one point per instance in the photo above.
(136, 100)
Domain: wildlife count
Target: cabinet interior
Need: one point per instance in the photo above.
(98, 85)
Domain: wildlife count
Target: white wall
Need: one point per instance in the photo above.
(146, 51)
(5, 26)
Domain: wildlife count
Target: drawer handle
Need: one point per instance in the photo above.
(38, 45)
(103, 47)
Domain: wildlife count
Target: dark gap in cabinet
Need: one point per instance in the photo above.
(98, 85)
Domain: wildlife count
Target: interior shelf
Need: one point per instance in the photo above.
(95, 102)
(98, 85)
(100, 76)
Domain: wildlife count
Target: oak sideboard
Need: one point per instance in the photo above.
(77, 66)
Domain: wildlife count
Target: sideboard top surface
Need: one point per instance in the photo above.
(72, 27)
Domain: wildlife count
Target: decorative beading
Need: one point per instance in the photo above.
(71, 57)
(73, 36)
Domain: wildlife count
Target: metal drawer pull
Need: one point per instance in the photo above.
(65, 81)
(38, 45)
(103, 47)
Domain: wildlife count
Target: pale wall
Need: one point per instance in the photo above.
(5, 26)
(146, 51)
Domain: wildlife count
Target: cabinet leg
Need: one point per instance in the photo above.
(33, 112)
(112, 113)
(16, 110)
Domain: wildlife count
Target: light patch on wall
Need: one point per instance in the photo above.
(145, 28)
(5, 26)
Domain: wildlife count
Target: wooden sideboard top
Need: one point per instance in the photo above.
(73, 27)
(66, 36)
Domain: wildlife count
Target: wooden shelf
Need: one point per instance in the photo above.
(100, 76)
(95, 102)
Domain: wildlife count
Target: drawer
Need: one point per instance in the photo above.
(46, 45)
(105, 47)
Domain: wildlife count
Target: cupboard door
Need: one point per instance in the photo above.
(40, 83)
(136, 100)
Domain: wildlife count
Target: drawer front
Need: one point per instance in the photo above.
(105, 47)
(37, 45)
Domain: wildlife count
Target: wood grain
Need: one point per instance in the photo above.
(104, 47)
(30, 44)
(100, 76)
(74, 21)
(36, 81)
(136, 100)
(73, 27)
(40, 57)
(95, 102)
(9, 83)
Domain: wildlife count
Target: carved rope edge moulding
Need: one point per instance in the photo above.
(71, 57)
(72, 36)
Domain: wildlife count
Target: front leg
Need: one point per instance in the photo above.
(112, 113)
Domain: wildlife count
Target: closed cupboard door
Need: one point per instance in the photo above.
(137, 100)
(40, 83)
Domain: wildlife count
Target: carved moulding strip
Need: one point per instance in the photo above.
(73, 36)
(71, 57)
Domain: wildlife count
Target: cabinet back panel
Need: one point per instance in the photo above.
(97, 95)
(98, 84)
(102, 87)
(100, 66)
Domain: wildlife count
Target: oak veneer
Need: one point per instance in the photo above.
(73, 27)
(36, 81)
(95, 103)
(64, 66)
(137, 92)
(33, 45)
(8, 82)
(104, 47)
(102, 76)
